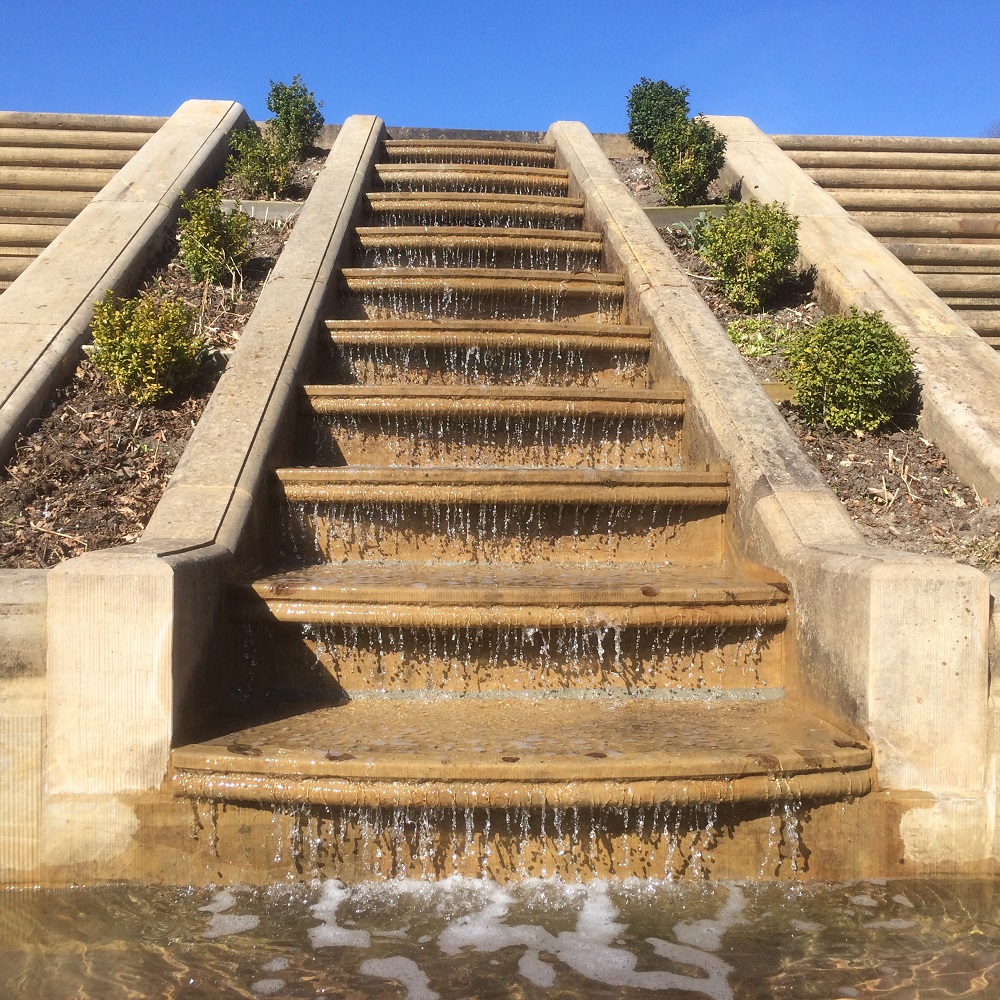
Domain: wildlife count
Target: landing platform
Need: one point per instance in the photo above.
(502, 751)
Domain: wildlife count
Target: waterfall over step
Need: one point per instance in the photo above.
(501, 606)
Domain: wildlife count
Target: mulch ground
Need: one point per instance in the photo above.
(91, 468)
(896, 485)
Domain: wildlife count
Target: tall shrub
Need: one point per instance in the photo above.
(652, 105)
(689, 154)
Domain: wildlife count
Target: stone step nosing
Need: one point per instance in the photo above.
(448, 793)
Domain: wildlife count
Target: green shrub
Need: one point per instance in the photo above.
(751, 248)
(212, 243)
(297, 119)
(146, 346)
(652, 105)
(757, 337)
(851, 372)
(688, 154)
(261, 162)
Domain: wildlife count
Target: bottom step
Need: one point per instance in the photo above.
(508, 751)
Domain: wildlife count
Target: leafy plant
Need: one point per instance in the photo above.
(146, 346)
(688, 154)
(212, 242)
(260, 161)
(851, 372)
(652, 105)
(691, 235)
(751, 248)
(757, 337)
(297, 118)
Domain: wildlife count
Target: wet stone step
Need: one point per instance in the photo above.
(537, 595)
(488, 352)
(476, 247)
(496, 211)
(494, 426)
(472, 179)
(482, 293)
(503, 752)
(470, 151)
(503, 516)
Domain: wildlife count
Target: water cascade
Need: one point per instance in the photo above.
(503, 633)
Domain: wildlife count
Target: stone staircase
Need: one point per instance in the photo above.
(935, 203)
(498, 583)
(50, 167)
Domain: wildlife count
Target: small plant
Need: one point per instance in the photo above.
(688, 154)
(851, 372)
(297, 119)
(757, 337)
(212, 242)
(261, 162)
(652, 105)
(751, 248)
(691, 235)
(146, 346)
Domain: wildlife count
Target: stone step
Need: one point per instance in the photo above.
(13, 265)
(533, 596)
(504, 515)
(42, 206)
(947, 253)
(13, 234)
(488, 352)
(877, 159)
(487, 178)
(54, 156)
(520, 751)
(526, 154)
(63, 179)
(963, 285)
(913, 225)
(892, 143)
(481, 293)
(456, 208)
(917, 179)
(72, 138)
(495, 426)
(891, 200)
(474, 246)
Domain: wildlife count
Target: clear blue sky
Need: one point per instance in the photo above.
(894, 67)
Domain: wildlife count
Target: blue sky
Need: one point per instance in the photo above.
(876, 67)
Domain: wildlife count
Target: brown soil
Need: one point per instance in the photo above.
(92, 467)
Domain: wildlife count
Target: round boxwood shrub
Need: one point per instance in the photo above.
(751, 247)
(652, 105)
(688, 153)
(146, 346)
(851, 372)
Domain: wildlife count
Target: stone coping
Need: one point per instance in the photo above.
(45, 314)
(877, 630)
(959, 372)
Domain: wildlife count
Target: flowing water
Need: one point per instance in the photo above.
(536, 938)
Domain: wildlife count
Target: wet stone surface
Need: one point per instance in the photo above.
(537, 938)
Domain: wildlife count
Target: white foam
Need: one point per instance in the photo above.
(275, 965)
(221, 923)
(267, 987)
(587, 950)
(896, 924)
(707, 934)
(863, 900)
(329, 934)
(404, 971)
(902, 900)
